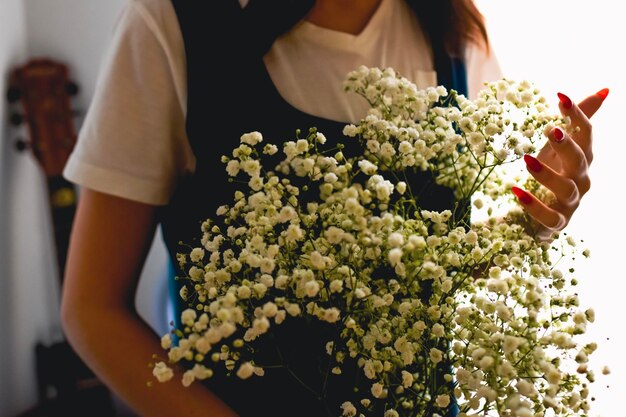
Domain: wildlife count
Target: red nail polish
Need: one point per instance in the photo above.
(603, 93)
(522, 195)
(558, 134)
(567, 103)
(532, 163)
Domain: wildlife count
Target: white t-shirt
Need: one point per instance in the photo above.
(133, 144)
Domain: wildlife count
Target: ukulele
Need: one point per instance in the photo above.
(41, 87)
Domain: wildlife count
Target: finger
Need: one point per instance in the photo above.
(573, 160)
(591, 104)
(543, 214)
(565, 189)
(579, 120)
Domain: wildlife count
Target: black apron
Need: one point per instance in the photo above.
(226, 73)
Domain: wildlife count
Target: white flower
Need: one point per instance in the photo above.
(252, 167)
(281, 282)
(162, 372)
(251, 138)
(166, 341)
(334, 234)
(349, 410)
(188, 317)
(188, 378)
(267, 265)
(377, 390)
(270, 149)
(395, 255)
(442, 400)
(195, 273)
(196, 255)
(202, 345)
(294, 233)
(256, 183)
(302, 145)
(245, 371)
(438, 330)
(317, 260)
(270, 309)
(336, 285)
(396, 240)
(259, 289)
(407, 379)
(286, 214)
(350, 130)
(261, 325)
(367, 167)
(435, 355)
(471, 237)
(525, 388)
(293, 310)
(331, 315)
(244, 292)
(311, 288)
(511, 343)
(232, 168)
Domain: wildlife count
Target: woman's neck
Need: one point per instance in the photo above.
(349, 16)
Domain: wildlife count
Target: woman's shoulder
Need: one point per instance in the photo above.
(158, 16)
(150, 28)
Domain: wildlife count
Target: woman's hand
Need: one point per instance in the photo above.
(562, 166)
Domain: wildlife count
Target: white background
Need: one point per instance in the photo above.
(576, 47)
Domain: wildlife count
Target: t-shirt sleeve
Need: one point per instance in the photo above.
(482, 66)
(132, 143)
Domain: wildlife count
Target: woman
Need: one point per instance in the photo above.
(149, 149)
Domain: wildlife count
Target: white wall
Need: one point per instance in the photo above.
(575, 47)
(22, 315)
(75, 32)
(91, 24)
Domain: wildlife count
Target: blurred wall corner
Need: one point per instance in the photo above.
(76, 33)
(16, 391)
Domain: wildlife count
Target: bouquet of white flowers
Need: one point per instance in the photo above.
(431, 309)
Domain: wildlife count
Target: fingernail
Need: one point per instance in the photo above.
(603, 93)
(532, 163)
(522, 195)
(557, 135)
(567, 103)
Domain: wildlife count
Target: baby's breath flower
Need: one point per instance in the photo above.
(162, 372)
(251, 138)
(340, 240)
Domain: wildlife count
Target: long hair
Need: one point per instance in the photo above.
(455, 22)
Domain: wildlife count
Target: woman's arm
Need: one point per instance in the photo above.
(110, 240)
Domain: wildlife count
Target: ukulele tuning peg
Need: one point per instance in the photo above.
(21, 145)
(72, 88)
(13, 94)
(16, 119)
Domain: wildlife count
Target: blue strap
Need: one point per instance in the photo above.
(459, 76)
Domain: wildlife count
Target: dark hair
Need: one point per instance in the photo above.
(455, 22)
